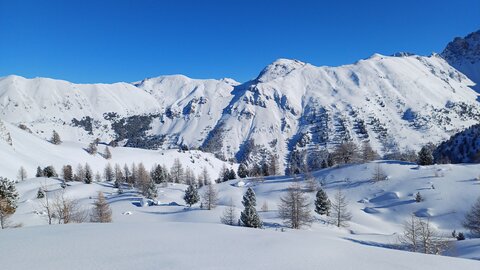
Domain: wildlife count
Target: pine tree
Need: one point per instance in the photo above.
(425, 156)
(418, 197)
(67, 173)
(56, 138)
(40, 193)
(229, 217)
(249, 216)
(322, 203)
(8, 200)
(22, 174)
(107, 154)
(158, 174)
(39, 172)
(191, 196)
(242, 171)
(101, 211)
(340, 214)
(49, 171)
(294, 208)
(88, 174)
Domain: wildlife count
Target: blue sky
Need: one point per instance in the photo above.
(109, 41)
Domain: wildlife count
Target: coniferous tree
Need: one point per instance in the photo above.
(249, 216)
(101, 210)
(158, 174)
(205, 177)
(108, 174)
(242, 171)
(191, 196)
(39, 172)
(56, 138)
(425, 156)
(418, 197)
(339, 208)
(229, 217)
(8, 200)
(117, 171)
(368, 154)
(231, 174)
(67, 173)
(177, 172)
(88, 174)
(49, 171)
(107, 154)
(322, 203)
(378, 173)
(127, 175)
(190, 177)
(92, 148)
(40, 193)
(294, 208)
(210, 197)
(79, 173)
(134, 175)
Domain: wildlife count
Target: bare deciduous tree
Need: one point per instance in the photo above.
(339, 210)
(472, 218)
(229, 216)
(22, 174)
(210, 197)
(101, 211)
(68, 210)
(378, 173)
(294, 208)
(420, 236)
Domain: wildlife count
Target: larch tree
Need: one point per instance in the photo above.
(106, 153)
(294, 208)
(472, 218)
(229, 216)
(177, 172)
(92, 148)
(101, 211)
(108, 174)
(22, 174)
(210, 197)
(117, 171)
(67, 173)
(378, 173)
(8, 201)
(339, 210)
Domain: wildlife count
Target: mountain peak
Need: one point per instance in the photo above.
(279, 68)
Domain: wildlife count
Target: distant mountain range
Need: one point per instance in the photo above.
(394, 102)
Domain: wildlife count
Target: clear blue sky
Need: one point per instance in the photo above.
(119, 40)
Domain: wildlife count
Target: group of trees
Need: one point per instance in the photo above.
(268, 166)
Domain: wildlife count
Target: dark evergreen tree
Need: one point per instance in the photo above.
(49, 171)
(418, 197)
(242, 171)
(231, 174)
(158, 174)
(425, 156)
(39, 172)
(191, 196)
(249, 216)
(55, 138)
(8, 200)
(40, 193)
(67, 173)
(88, 174)
(322, 203)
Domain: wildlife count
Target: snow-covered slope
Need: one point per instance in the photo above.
(464, 55)
(160, 236)
(30, 151)
(394, 102)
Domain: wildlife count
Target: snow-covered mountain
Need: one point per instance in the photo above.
(464, 55)
(394, 102)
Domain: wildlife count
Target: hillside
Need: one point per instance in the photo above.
(161, 236)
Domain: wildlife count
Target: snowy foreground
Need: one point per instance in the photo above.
(169, 236)
(183, 245)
